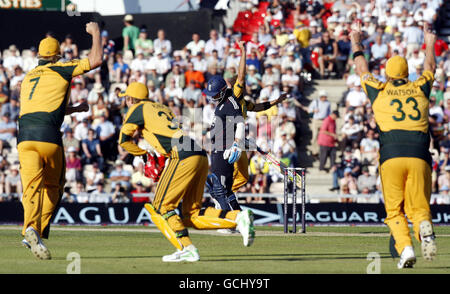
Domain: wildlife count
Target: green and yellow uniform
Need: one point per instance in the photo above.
(44, 96)
(183, 177)
(401, 112)
(240, 174)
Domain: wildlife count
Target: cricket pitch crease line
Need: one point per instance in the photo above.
(215, 233)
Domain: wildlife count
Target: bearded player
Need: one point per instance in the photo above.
(401, 110)
(183, 178)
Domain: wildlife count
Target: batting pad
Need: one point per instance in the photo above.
(210, 223)
(163, 226)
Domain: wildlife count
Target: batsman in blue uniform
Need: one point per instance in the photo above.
(227, 136)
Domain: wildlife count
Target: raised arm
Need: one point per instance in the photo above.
(357, 49)
(95, 56)
(429, 39)
(266, 105)
(242, 63)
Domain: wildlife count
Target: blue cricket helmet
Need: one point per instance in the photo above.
(216, 84)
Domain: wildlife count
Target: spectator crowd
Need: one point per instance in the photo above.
(287, 43)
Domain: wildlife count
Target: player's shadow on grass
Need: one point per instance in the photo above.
(293, 257)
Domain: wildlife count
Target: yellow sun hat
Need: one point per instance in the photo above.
(397, 67)
(136, 90)
(49, 47)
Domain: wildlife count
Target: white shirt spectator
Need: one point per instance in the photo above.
(106, 128)
(352, 79)
(30, 63)
(288, 111)
(350, 129)
(290, 79)
(175, 93)
(218, 45)
(232, 61)
(271, 92)
(162, 64)
(356, 98)
(15, 80)
(195, 47)
(283, 146)
(81, 131)
(414, 61)
(400, 47)
(138, 64)
(295, 64)
(200, 64)
(413, 35)
(438, 112)
(370, 145)
(427, 13)
(162, 45)
(11, 62)
(273, 77)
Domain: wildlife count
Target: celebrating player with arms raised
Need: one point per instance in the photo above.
(43, 103)
(401, 113)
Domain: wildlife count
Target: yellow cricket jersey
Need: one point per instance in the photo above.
(401, 112)
(44, 96)
(159, 128)
(238, 94)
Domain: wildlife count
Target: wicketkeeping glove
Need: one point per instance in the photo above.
(233, 153)
(154, 166)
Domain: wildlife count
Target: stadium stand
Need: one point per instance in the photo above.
(301, 47)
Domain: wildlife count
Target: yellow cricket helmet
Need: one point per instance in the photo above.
(136, 90)
(49, 47)
(397, 67)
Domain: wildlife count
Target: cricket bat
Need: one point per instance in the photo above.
(280, 166)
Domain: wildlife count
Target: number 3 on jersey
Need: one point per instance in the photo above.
(402, 115)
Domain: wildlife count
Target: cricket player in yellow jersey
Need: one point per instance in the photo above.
(183, 178)
(401, 113)
(44, 97)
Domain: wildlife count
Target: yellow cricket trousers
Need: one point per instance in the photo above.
(406, 183)
(184, 179)
(240, 174)
(42, 171)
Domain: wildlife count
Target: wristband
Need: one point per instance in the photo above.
(358, 53)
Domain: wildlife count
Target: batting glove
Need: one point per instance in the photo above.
(233, 153)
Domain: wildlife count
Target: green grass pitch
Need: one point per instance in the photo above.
(138, 249)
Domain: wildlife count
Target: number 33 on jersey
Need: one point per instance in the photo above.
(400, 105)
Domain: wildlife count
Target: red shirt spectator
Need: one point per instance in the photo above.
(439, 47)
(136, 194)
(327, 134)
(254, 43)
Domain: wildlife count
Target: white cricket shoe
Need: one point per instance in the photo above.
(227, 231)
(407, 258)
(37, 247)
(26, 244)
(244, 221)
(189, 253)
(427, 240)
